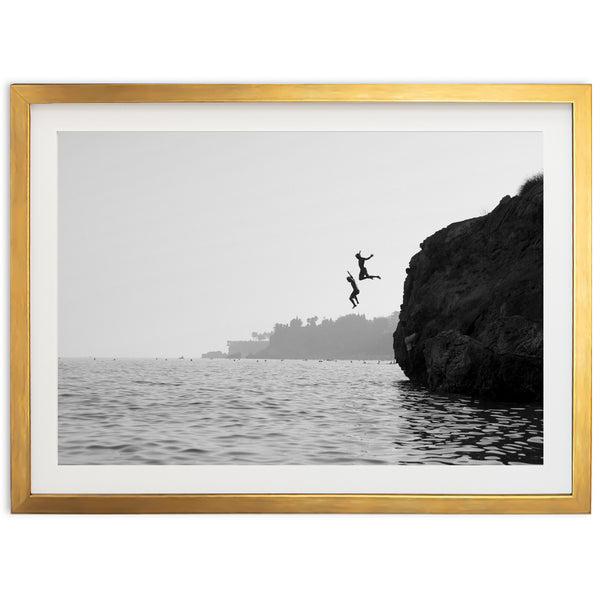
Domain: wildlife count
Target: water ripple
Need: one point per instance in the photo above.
(142, 411)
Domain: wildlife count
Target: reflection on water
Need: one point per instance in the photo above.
(456, 430)
(146, 411)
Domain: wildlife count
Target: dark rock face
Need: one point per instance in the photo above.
(471, 318)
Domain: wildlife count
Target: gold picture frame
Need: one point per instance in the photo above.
(22, 499)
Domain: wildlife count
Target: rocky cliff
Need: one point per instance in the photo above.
(471, 317)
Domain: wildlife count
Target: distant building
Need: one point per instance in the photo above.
(244, 348)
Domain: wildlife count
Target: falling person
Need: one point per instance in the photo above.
(363, 274)
(355, 290)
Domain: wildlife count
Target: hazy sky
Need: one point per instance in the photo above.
(172, 243)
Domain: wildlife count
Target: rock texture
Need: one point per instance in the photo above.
(471, 317)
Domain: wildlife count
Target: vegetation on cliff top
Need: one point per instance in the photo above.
(533, 182)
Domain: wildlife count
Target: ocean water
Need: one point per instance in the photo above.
(202, 411)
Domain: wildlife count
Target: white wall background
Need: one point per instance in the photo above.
(362, 556)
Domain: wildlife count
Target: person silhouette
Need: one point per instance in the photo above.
(363, 270)
(355, 290)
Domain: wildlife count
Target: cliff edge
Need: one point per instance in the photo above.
(471, 316)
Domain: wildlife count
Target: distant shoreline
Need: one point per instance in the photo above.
(248, 359)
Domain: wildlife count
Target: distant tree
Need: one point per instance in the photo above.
(347, 337)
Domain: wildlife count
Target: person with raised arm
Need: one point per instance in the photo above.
(363, 274)
(355, 290)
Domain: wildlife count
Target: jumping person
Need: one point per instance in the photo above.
(355, 290)
(363, 270)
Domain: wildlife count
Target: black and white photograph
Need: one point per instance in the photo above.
(300, 298)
